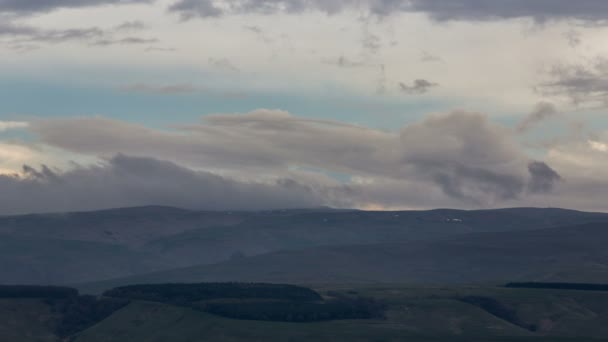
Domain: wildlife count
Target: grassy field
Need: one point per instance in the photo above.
(422, 314)
(157, 322)
(413, 314)
(25, 320)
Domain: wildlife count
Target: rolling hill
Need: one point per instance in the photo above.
(91, 246)
(574, 253)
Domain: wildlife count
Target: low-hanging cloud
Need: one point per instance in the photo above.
(440, 151)
(544, 178)
(125, 181)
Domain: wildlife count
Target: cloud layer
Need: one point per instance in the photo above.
(539, 10)
(439, 152)
(129, 181)
(34, 6)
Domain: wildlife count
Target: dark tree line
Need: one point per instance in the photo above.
(269, 302)
(351, 308)
(74, 312)
(27, 291)
(188, 293)
(81, 312)
(560, 286)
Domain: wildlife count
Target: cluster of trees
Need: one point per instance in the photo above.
(27, 291)
(78, 313)
(74, 312)
(286, 311)
(187, 293)
(560, 286)
(269, 302)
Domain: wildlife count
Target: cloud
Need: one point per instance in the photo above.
(542, 112)
(442, 10)
(584, 85)
(130, 26)
(427, 57)
(126, 41)
(223, 64)
(418, 87)
(209, 8)
(168, 89)
(543, 179)
(36, 6)
(440, 151)
(178, 89)
(539, 10)
(8, 125)
(598, 146)
(19, 35)
(129, 181)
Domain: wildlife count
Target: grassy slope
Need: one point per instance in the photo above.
(83, 247)
(26, 320)
(414, 314)
(575, 253)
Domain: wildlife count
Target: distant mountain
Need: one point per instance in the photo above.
(91, 246)
(575, 254)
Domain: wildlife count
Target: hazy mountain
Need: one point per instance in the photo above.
(90, 246)
(575, 253)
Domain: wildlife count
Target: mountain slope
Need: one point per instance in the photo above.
(82, 247)
(575, 253)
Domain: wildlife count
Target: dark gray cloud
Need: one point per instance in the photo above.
(542, 111)
(418, 87)
(543, 177)
(15, 35)
(35, 6)
(539, 10)
(129, 181)
(475, 10)
(441, 151)
(30, 34)
(480, 167)
(585, 85)
(209, 8)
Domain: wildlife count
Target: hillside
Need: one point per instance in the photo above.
(574, 253)
(92, 246)
(429, 314)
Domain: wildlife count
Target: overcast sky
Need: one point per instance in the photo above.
(261, 104)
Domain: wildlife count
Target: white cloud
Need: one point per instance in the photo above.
(8, 125)
(598, 146)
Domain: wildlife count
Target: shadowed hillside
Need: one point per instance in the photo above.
(560, 254)
(90, 246)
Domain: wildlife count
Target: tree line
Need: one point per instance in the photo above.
(254, 301)
(560, 286)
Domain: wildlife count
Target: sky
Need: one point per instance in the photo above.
(268, 104)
